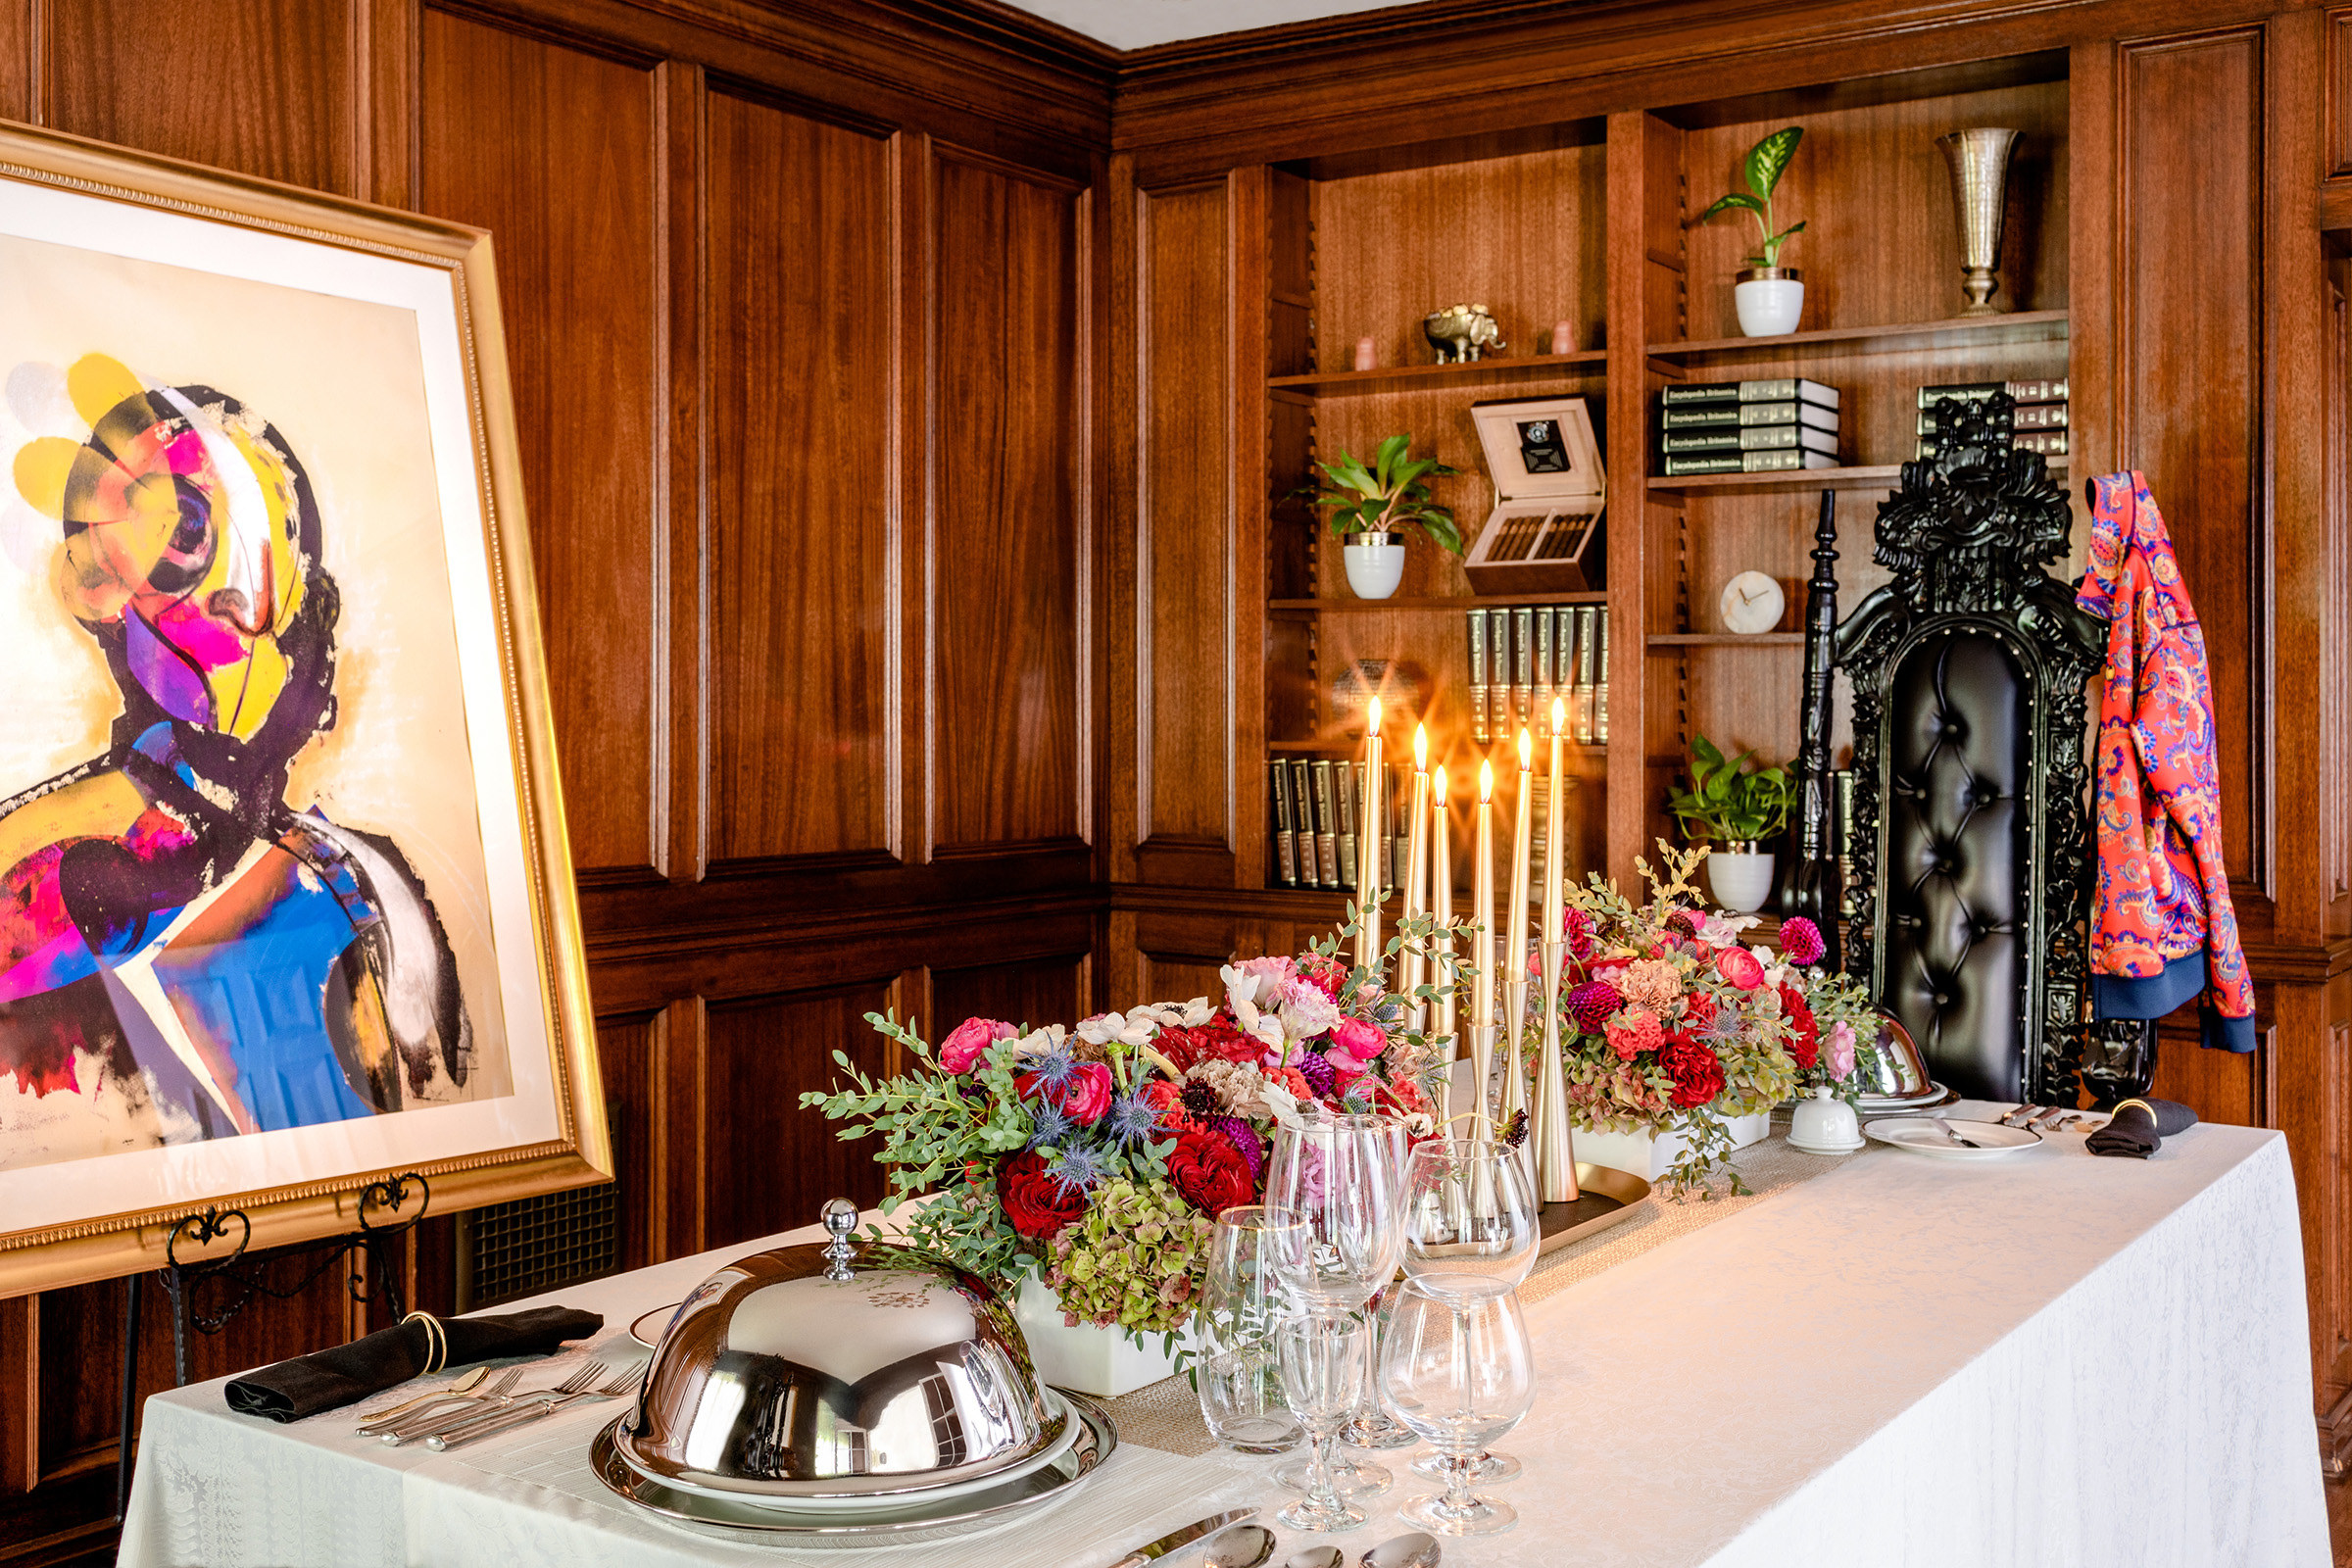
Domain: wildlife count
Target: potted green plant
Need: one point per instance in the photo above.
(1371, 506)
(1768, 296)
(1733, 808)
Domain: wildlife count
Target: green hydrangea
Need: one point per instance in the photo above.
(1133, 1261)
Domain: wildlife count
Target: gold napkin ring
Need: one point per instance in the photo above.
(436, 1340)
(2126, 1106)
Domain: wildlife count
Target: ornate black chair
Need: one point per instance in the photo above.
(1970, 838)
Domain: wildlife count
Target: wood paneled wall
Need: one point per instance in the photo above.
(807, 355)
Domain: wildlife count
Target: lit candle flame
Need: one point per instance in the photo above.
(1560, 717)
(1372, 714)
(1526, 750)
(1436, 785)
(1420, 748)
(1486, 782)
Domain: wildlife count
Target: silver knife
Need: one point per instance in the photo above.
(2020, 1116)
(1178, 1539)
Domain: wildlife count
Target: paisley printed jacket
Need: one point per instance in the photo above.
(2163, 928)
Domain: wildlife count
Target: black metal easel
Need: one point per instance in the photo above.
(233, 1284)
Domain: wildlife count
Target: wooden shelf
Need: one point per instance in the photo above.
(1343, 607)
(1725, 639)
(1586, 365)
(1349, 748)
(1853, 479)
(2017, 326)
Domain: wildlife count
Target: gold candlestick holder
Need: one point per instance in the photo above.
(1555, 1150)
(1482, 1099)
(1512, 1097)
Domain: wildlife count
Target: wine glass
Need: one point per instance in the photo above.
(1241, 1302)
(1371, 1426)
(1339, 1176)
(1460, 1371)
(1469, 1214)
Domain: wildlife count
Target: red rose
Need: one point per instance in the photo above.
(1326, 975)
(1209, 1172)
(1218, 1040)
(1033, 1200)
(1696, 1071)
(1805, 1043)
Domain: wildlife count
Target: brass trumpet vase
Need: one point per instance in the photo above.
(1979, 164)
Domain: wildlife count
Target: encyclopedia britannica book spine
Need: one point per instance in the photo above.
(1327, 832)
(1286, 823)
(1543, 682)
(1349, 780)
(1523, 655)
(1477, 676)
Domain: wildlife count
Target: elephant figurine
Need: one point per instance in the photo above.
(1461, 332)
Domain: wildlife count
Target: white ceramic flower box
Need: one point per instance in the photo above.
(1102, 1363)
(1635, 1153)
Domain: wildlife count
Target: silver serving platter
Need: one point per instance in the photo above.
(744, 1522)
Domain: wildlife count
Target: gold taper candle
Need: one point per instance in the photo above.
(1367, 848)
(1412, 964)
(1555, 1152)
(1482, 954)
(1440, 907)
(1555, 858)
(1513, 925)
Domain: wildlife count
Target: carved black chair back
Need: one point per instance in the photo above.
(1972, 845)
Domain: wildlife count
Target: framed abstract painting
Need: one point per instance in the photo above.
(288, 903)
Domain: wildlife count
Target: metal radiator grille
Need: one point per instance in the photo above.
(537, 1244)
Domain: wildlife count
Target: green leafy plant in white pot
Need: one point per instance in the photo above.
(1372, 506)
(1768, 296)
(1732, 808)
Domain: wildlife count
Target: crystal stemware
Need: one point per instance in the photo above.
(1460, 1372)
(1339, 1174)
(1469, 1214)
(1240, 1379)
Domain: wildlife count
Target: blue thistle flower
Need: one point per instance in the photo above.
(1080, 1168)
(1049, 1124)
(1723, 1029)
(1131, 1119)
(1054, 1068)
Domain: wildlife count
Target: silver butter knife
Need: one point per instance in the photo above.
(1178, 1539)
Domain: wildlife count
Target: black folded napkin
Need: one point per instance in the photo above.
(2139, 1127)
(388, 1358)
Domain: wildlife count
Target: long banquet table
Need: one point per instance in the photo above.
(2053, 1359)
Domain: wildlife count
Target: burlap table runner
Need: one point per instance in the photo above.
(1166, 1415)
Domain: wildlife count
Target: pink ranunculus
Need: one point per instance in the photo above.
(1274, 971)
(1839, 1053)
(1740, 968)
(1087, 1096)
(1355, 1045)
(1635, 1031)
(964, 1049)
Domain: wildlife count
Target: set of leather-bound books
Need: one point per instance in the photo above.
(1318, 803)
(2035, 419)
(1523, 656)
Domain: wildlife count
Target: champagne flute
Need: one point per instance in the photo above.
(1469, 1214)
(1240, 1379)
(1460, 1371)
(1336, 1174)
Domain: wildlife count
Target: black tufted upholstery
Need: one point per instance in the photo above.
(1956, 869)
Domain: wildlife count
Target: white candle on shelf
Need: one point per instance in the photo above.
(1367, 844)
(1440, 905)
(1412, 964)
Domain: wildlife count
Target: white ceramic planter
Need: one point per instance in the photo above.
(1769, 300)
(1823, 1124)
(1100, 1362)
(1635, 1153)
(1375, 564)
(1740, 880)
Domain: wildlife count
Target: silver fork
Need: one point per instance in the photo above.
(582, 1377)
(524, 1412)
(382, 1423)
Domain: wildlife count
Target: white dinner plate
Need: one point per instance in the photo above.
(1918, 1134)
(647, 1330)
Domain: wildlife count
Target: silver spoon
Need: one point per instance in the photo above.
(1317, 1557)
(1416, 1550)
(1238, 1547)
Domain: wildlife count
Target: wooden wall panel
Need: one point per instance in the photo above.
(2339, 92)
(262, 86)
(803, 539)
(771, 1166)
(554, 150)
(1036, 992)
(1008, 545)
(1184, 697)
(629, 1054)
(2189, 403)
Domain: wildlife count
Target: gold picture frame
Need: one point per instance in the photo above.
(491, 1090)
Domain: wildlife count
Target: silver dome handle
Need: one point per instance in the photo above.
(841, 1218)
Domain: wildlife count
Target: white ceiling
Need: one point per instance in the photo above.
(1135, 24)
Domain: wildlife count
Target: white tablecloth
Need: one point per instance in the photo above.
(2053, 1359)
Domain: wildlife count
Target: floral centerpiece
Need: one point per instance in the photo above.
(1096, 1157)
(1670, 1024)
